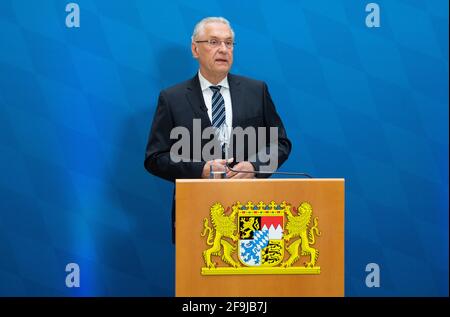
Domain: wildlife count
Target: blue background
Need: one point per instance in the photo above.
(366, 104)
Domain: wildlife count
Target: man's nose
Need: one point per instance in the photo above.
(223, 47)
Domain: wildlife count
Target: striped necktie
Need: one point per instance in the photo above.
(218, 107)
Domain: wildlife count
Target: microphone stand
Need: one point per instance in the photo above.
(267, 172)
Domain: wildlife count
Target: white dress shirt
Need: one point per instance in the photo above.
(208, 93)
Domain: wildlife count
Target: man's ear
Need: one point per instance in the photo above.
(194, 50)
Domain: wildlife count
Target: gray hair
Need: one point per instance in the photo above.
(201, 25)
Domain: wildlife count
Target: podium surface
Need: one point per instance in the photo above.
(224, 246)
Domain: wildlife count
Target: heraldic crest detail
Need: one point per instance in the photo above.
(261, 239)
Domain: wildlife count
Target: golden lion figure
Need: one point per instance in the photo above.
(298, 227)
(224, 226)
(248, 226)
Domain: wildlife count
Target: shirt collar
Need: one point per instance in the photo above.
(205, 84)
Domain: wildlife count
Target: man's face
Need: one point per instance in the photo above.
(214, 61)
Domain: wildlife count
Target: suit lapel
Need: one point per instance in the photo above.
(195, 97)
(236, 96)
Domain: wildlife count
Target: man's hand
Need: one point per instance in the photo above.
(241, 166)
(217, 165)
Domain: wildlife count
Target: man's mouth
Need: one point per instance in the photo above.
(221, 60)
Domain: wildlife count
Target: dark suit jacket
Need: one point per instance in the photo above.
(180, 104)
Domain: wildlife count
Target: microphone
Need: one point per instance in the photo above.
(267, 172)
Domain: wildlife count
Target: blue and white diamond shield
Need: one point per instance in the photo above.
(250, 249)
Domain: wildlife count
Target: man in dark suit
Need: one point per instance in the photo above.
(218, 99)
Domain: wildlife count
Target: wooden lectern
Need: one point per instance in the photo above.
(260, 237)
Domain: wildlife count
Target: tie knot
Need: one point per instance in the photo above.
(215, 88)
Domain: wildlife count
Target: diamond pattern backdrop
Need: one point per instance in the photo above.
(366, 104)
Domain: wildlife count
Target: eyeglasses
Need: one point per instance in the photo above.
(216, 43)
